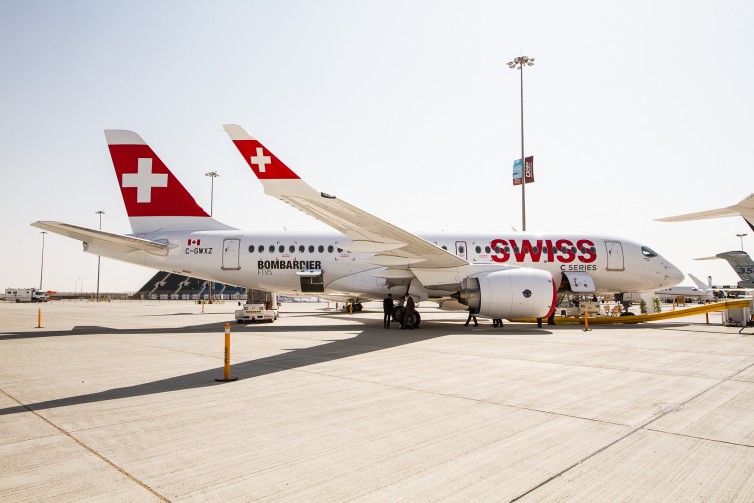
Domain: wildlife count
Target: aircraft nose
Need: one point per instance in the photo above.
(673, 274)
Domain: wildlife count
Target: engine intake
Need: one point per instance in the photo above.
(513, 293)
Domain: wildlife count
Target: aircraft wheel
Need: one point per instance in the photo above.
(398, 313)
(357, 307)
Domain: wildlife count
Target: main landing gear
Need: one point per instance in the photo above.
(399, 311)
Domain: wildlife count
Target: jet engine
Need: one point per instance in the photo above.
(512, 293)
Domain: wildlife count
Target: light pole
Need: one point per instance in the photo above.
(99, 258)
(82, 285)
(740, 236)
(518, 64)
(42, 267)
(212, 175)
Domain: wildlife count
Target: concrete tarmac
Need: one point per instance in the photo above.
(118, 401)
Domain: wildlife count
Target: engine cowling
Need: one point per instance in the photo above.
(512, 293)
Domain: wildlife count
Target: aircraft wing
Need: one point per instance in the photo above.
(744, 208)
(391, 245)
(109, 240)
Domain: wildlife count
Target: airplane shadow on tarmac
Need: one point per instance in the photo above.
(371, 338)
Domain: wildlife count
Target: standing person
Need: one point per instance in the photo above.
(472, 314)
(387, 309)
(408, 313)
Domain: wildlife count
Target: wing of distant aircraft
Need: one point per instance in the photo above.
(744, 208)
(393, 246)
(118, 242)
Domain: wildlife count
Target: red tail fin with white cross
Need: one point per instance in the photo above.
(155, 199)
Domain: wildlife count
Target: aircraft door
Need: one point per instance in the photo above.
(614, 256)
(461, 249)
(231, 251)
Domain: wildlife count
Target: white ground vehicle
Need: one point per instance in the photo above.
(25, 295)
(255, 312)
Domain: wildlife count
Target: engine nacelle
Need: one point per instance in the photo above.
(512, 293)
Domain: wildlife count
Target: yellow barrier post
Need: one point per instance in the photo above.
(226, 376)
(39, 318)
(586, 319)
(350, 308)
(202, 307)
(706, 315)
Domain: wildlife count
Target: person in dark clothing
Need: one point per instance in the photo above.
(408, 314)
(387, 309)
(472, 314)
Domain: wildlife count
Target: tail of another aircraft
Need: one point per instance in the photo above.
(698, 282)
(740, 261)
(154, 198)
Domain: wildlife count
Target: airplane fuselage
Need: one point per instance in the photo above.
(321, 265)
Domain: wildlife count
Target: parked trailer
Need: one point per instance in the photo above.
(25, 295)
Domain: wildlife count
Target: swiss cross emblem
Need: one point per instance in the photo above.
(261, 160)
(144, 180)
(194, 242)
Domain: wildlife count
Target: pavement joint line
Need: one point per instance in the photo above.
(87, 448)
(571, 364)
(449, 395)
(699, 438)
(630, 433)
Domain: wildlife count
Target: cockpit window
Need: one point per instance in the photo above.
(648, 252)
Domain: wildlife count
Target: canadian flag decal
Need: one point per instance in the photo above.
(192, 242)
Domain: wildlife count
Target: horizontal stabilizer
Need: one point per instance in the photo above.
(107, 240)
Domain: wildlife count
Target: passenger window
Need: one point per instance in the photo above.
(497, 249)
(320, 248)
(515, 249)
(291, 249)
(478, 249)
(487, 249)
(330, 249)
(311, 248)
(444, 247)
(251, 249)
(340, 250)
(281, 248)
(301, 248)
(535, 249)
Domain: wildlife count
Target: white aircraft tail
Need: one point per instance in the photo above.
(154, 198)
(698, 282)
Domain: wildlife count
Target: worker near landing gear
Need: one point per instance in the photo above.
(387, 309)
(472, 314)
(408, 314)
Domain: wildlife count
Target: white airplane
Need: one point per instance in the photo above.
(499, 275)
(700, 291)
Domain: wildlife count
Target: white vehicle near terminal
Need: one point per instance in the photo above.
(25, 295)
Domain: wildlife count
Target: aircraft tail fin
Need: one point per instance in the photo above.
(744, 208)
(698, 282)
(155, 199)
(742, 264)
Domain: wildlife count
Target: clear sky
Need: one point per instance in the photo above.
(634, 111)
